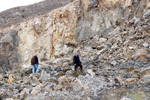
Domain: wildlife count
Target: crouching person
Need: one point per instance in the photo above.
(35, 63)
(77, 62)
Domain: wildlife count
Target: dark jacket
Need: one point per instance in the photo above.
(35, 60)
(76, 60)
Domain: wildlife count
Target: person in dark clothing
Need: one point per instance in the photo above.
(35, 63)
(0, 98)
(77, 62)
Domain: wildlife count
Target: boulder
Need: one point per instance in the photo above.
(2, 83)
(44, 76)
(128, 54)
(114, 63)
(25, 91)
(146, 78)
(140, 54)
(126, 98)
(48, 85)
(38, 96)
(59, 74)
(146, 45)
(11, 78)
(9, 99)
(65, 81)
(102, 40)
(27, 80)
(36, 90)
(1, 77)
(131, 80)
(90, 72)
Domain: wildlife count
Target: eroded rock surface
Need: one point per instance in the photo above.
(112, 37)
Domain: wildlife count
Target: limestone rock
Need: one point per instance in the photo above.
(131, 80)
(89, 71)
(44, 76)
(145, 44)
(36, 90)
(146, 78)
(9, 99)
(65, 81)
(59, 74)
(113, 42)
(126, 98)
(11, 78)
(26, 80)
(102, 40)
(140, 54)
(1, 77)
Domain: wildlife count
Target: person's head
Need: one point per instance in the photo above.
(77, 53)
(35, 54)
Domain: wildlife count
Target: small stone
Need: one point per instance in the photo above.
(25, 90)
(114, 62)
(2, 83)
(1, 77)
(59, 74)
(131, 48)
(89, 71)
(11, 78)
(131, 80)
(126, 98)
(140, 54)
(102, 40)
(88, 48)
(9, 99)
(36, 90)
(26, 80)
(146, 45)
(88, 98)
(128, 54)
(130, 69)
(146, 78)
(48, 85)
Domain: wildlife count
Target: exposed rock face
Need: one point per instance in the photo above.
(69, 24)
(8, 51)
(24, 13)
(113, 39)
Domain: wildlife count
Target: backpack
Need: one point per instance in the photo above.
(32, 61)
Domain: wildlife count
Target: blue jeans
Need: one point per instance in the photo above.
(35, 67)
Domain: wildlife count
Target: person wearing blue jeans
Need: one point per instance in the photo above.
(35, 63)
(35, 68)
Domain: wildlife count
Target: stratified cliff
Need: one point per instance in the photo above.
(47, 34)
(112, 37)
(24, 13)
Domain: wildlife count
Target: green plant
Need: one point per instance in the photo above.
(74, 73)
(23, 16)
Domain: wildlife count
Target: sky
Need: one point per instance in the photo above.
(7, 4)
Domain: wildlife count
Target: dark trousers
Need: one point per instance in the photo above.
(76, 66)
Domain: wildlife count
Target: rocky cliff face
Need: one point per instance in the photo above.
(112, 36)
(48, 34)
(24, 13)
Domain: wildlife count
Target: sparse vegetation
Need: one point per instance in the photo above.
(74, 74)
(23, 16)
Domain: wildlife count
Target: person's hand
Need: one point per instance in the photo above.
(75, 64)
